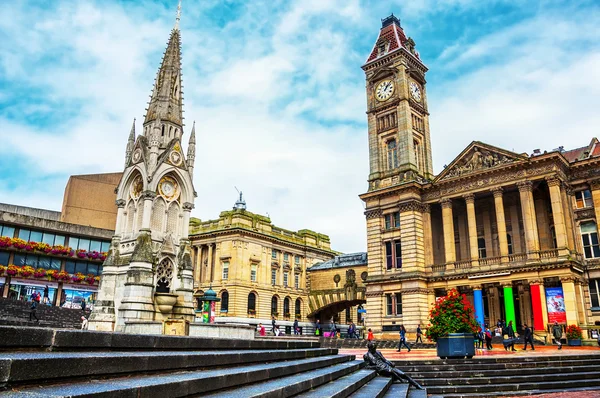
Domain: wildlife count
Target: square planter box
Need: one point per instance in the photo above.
(574, 343)
(456, 345)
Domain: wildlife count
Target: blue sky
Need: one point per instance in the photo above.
(277, 93)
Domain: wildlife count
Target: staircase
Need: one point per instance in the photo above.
(16, 313)
(362, 343)
(502, 377)
(43, 362)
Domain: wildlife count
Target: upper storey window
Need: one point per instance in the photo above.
(583, 199)
(589, 236)
(392, 220)
(392, 154)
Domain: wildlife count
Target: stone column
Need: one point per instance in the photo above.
(148, 198)
(185, 227)
(509, 304)
(120, 216)
(532, 244)
(430, 298)
(568, 286)
(595, 189)
(581, 307)
(558, 215)
(448, 228)
(538, 296)
(568, 212)
(210, 263)
(478, 304)
(427, 235)
(472, 222)
(501, 223)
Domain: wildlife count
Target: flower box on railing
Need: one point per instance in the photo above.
(20, 244)
(52, 274)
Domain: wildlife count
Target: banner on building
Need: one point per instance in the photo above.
(555, 300)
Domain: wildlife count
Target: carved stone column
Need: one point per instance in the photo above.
(120, 216)
(595, 188)
(148, 198)
(210, 262)
(448, 227)
(538, 304)
(532, 243)
(558, 215)
(185, 227)
(501, 223)
(427, 235)
(568, 286)
(472, 222)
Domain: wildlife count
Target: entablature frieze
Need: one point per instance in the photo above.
(585, 214)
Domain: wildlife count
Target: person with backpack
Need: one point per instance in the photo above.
(508, 334)
(557, 334)
(488, 338)
(296, 328)
(479, 337)
(419, 335)
(33, 308)
(318, 329)
(402, 339)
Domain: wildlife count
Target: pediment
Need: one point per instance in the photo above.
(139, 155)
(381, 73)
(173, 155)
(478, 157)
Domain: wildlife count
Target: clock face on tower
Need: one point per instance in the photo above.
(415, 92)
(384, 90)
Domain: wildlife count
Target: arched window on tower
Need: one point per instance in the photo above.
(392, 154)
(163, 130)
(417, 149)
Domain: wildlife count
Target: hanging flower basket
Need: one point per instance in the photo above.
(5, 241)
(26, 271)
(39, 273)
(50, 274)
(78, 277)
(12, 270)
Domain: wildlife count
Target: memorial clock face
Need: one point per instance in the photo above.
(137, 155)
(168, 188)
(415, 91)
(384, 90)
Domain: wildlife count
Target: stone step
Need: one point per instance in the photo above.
(12, 337)
(483, 366)
(181, 383)
(342, 387)
(478, 372)
(514, 393)
(23, 367)
(414, 393)
(376, 388)
(397, 390)
(505, 388)
(291, 385)
(451, 380)
(503, 359)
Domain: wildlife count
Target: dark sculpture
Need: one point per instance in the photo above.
(375, 360)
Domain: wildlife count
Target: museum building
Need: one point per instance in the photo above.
(516, 232)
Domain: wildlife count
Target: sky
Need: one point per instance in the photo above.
(278, 95)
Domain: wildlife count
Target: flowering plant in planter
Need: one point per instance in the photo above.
(63, 250)
(452, 313)
(12, 270)
(62, 276)
(26, 271)
(94, 255)
(90, 279)
(18, 243)
(81, 253)
(5, 241)
(103, 255)
(41, 247)
(573, 332)
(2, 269)
(78, 277)
(97, 279)
(39, 273)
(51, 273)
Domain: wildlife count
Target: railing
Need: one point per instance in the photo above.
(490, 261)
(549, 253)
(517, 257)
(464, 264)
(438, 268)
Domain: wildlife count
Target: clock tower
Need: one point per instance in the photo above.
(399, 141)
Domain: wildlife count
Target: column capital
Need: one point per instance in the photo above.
(497, 191)
(525, 186)
(469, 198)
(187, 206)
(148, 195)
(446, 203)
(477, 287)
(568, 279)
(426, 208)
(120, 203)
(553, 181)
(536, 282)
(507, 284)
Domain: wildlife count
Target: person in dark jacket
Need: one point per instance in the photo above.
(33, 308)
(419, 334)
(509, 337)
(296, 328)
(402, 339)
(488, 338)
(527, 337)
(557, 334)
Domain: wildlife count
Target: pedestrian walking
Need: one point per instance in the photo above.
(488, 338)
(557, 334)
(296, 328)
(527, 337)
(273, 325)
(261, 330)
(508, 334)
(370, 336)
(419, 335)
(33, 308)
(83, 305)
(46, 291)
(84, 323)
(318, 329)
(479, 338)
(333, 329)
(402, 339)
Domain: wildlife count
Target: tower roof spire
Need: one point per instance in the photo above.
(178, 16)
(166, 100)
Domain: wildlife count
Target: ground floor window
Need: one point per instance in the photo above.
(595, 293)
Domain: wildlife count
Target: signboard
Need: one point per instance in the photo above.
(205, 311)
(555, 300)
(30, 282)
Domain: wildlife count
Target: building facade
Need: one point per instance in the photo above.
(39, 251)
(149, 259)
(258, 270)
(516, 233)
